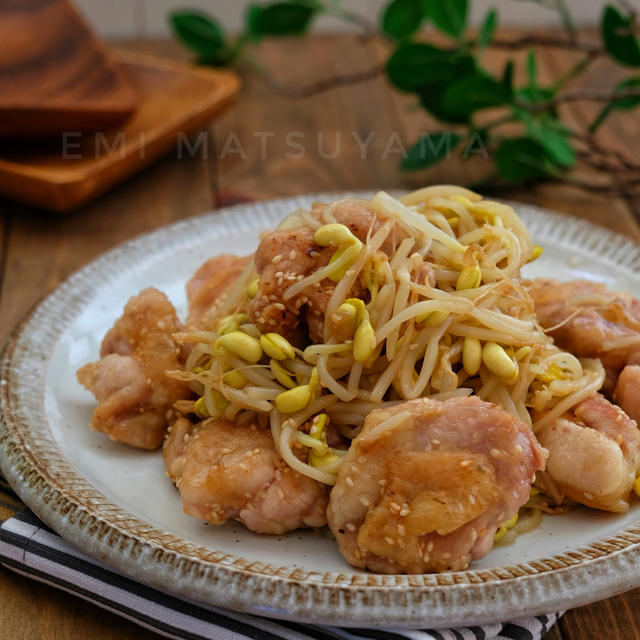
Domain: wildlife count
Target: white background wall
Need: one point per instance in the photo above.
(114, 18)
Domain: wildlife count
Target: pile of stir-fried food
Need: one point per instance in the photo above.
(381, 367)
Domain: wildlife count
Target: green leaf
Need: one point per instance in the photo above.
(449, 16)
(201, 33)
(432, 94)
(281, 19)
(402, 18)
(532, 68)
(618, 104)
(415, 65)
(488, 28)
(554, 137)
(520, 159)
(507, 76)
(252, 21)
(430, 149)
(474, 92)
(619, 41)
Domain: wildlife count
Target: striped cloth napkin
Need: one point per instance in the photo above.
(32, 549)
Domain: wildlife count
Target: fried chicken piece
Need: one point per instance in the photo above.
(173, 447)
(588, 320)
(594, 454)
(428, 493)
(209, 283)
(283, 258)
(286, 256)
(234, 471)
(134, 394)
(627, 391)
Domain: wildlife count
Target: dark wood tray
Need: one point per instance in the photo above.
(174, 99)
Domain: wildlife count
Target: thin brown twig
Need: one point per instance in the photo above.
(533, 40)
(628, 188)
(308, 90)
(603, 162)
(607, 153)
(592, 95)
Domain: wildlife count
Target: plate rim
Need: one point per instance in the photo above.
(283, 592)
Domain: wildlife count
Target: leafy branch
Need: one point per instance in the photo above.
(451, 83)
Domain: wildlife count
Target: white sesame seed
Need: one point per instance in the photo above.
(276, 259)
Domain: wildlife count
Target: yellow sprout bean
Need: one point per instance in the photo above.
(364, 341)
(247, 347)
(276, 346)
(432, 318)
(281, 374)
(535, 253)
(344, 321)
(343, 258)
(294, 400)
(358, 305)
(511, 522)
(471, 355)
(503, 528)
(469, 278)
(219, 401)
(234, 379)
(495, 358)
(522, 353)
(252, 288)
(335, 234)
(200, 408)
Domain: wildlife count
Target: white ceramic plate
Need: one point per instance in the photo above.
(117, 504)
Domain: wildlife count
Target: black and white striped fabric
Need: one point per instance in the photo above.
(30, 548)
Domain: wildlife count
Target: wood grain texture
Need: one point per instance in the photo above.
(67, 172)
(40, 250)
(55, 74)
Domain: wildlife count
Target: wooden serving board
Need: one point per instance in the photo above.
(55, 74)
(174, 100)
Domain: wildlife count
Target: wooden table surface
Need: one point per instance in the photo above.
(250, 155)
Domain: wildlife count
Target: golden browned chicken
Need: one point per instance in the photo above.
(227, 470)
(426, 483)
(134, 394)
